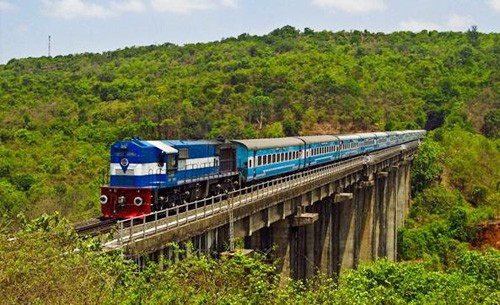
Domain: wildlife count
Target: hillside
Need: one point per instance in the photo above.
(59, 115)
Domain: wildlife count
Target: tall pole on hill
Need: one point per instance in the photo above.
(49, 45)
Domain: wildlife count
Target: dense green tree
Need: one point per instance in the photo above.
(491, 127)
(427, 167)
(287, 82)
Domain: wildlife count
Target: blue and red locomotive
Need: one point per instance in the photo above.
(147, 176)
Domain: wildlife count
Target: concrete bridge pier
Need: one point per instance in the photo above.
(344, 224)
(366, 219)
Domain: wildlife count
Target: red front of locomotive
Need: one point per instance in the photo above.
(125, 202)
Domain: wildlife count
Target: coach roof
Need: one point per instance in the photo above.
(257, 144)
(318, 139)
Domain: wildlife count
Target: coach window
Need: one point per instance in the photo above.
(259, 160)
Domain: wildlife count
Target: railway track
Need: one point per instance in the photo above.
(94, 226)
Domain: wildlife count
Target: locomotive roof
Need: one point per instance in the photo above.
(190, 142)
(163, 146)
(318, 139)
(256, 144)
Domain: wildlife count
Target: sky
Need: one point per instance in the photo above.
(78, 26)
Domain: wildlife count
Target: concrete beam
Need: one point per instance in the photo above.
(304, 219)
(339, 197)
(367, 183)
(382, 174)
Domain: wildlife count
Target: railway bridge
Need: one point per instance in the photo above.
(325, 220)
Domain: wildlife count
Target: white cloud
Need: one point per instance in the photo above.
(6, 6)
(180, 6)
(230, 3)
(22, 28)
(459, 23)
(495, 4)
(186, 6)
(413, 25)
(453, 22)
(353, 6)
(134, 6)
(71, 9)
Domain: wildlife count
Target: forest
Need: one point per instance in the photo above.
(59, 115)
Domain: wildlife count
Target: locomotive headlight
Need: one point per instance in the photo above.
(122, 200)
(103, 199)
(138, 201)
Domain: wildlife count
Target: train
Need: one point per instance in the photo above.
(147, 176)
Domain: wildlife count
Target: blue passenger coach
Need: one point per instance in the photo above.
(366, 142)
(320, 149)
(263, 158)
(349, 144)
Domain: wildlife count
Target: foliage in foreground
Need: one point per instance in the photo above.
(40, 265)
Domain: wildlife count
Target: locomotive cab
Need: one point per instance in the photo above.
(137, 169)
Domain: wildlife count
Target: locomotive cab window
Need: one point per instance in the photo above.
(183, 153)
(161, 159)
(172, 162)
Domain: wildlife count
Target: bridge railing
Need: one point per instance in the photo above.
(140, 227)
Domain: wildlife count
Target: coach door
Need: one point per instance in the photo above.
(227, 158)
